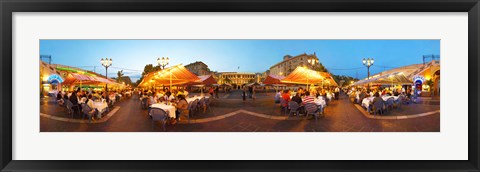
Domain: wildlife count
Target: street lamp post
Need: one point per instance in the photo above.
(163, 62)
(367, 62)
(106, 63)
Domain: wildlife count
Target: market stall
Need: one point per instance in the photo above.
(303, 75)
(175, 75)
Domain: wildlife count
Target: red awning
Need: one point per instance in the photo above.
(273, 79)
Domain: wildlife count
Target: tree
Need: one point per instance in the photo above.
(347, 79)
(147, 69)
(320, 68)
(251, 81)
(119, 76)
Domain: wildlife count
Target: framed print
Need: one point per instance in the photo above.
(268, 85)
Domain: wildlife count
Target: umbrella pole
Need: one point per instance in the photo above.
(307, 85)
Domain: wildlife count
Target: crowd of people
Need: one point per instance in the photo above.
(88, 96)
(303, 96)
(176, 98)
(359, 93)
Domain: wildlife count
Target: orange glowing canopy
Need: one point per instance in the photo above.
(273, 79)
(303, 75)
(175, 75)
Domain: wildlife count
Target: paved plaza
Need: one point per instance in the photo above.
(229, 113)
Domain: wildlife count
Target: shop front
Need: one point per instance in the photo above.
(51, 84)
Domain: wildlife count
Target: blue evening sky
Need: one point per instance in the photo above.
(341, 57)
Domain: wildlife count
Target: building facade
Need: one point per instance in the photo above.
(198, 68)
(237, 78)
(290, 63)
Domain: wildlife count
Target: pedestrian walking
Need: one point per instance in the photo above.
(244, 93)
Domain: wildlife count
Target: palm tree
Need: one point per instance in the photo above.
(120, 75)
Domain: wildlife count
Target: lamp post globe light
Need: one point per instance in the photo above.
(367, 62)
(163, 62)
(106, 63)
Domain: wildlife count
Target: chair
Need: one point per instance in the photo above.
(293, 106)
(202, 104)
(284, 105)
(360, 98)
(86, 112)
(312, 108)
(192, 107)
(378, 106)
(69, 106)
(390, 103)
(399, 101)
(144, 103)
(207, 103)
(159, 115)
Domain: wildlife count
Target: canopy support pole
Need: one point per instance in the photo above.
(170, 80)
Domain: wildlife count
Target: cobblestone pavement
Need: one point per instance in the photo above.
(340, 116)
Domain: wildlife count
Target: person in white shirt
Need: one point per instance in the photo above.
(91, 105)
(278, 96)
(151, 99)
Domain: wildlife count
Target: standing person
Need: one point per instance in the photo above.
(216, 92)
(210, 91)
(244, 93)
(250, 90)
(253, 93)
(337, 93)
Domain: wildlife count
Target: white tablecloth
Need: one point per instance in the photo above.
(112, 97)
(167, 108)
(190, 99)
(320, 102)
(366, 101)
(101, 107)
(329, 96)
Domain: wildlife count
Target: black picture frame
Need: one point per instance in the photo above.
(10, 6)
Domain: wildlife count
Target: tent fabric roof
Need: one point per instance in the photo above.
(204, 80)
(303, 75)
(77, 78)
(207, 79)
(408, 71)
(395, 78)
(179, 75)
(273, 79)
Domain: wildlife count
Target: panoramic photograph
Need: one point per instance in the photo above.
(239, 85)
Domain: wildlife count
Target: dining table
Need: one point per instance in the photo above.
(367, 101)
(101, 106)
(169, 109)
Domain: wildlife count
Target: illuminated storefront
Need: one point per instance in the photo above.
(421, 77)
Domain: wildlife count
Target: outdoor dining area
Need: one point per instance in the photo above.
(320, 88)
(84, 94)
(381, 94)
(163, 93)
